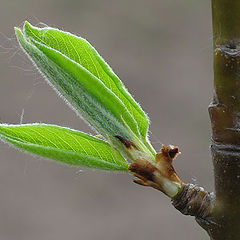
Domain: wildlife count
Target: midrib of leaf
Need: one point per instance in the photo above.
(90, 161)
(40, 136)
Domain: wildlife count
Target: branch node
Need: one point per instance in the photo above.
(230, 49)
(195, 201)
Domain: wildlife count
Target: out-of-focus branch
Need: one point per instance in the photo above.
(225, 119)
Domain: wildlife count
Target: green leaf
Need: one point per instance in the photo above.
(99, 97)
(65, 145)
(80, 51)
(83, 91)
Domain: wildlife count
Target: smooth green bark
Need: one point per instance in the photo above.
(225, 119)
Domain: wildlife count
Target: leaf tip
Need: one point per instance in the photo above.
(27, 25)
(18, 32)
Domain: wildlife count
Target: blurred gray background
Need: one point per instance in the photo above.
(161, 49)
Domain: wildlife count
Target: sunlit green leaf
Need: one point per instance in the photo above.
(86, 93)
(64, 145)
(80, 51)
(73, 67)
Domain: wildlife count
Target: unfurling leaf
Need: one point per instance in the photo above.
(64, 145)
(84, 79)
(80, 51)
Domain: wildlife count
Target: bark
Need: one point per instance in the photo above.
(225, 120)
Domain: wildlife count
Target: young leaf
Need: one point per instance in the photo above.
(95, 103)
(81, 51)
(65, 145)
(89, 86)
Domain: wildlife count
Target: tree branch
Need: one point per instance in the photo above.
(225, 115)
